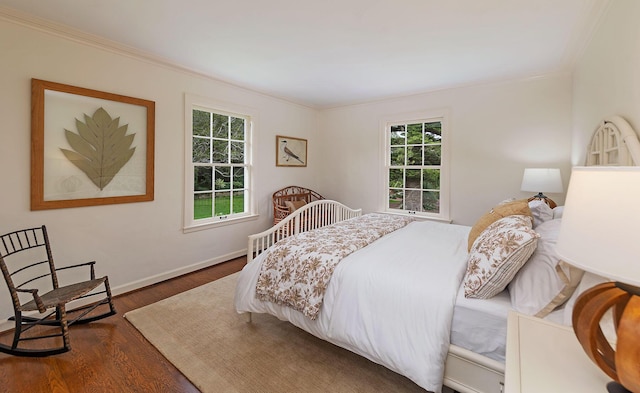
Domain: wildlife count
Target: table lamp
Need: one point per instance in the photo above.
(542, 180)
(599, 233)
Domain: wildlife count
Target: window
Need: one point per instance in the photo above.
(218, 169)
(415, 171)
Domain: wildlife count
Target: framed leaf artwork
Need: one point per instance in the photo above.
(89, 147)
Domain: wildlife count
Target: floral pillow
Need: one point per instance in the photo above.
(504, 209)
(497, 255)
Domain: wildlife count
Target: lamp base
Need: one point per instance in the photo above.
(544, 198)
(615, 387)
(621, 363)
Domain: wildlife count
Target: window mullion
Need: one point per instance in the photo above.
(222, 203)
(417, 168)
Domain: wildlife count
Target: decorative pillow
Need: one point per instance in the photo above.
(545, 282)
(497, 255)
(519, 207)
(294, 205)
(540, 211)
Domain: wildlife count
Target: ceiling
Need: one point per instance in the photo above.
(336, 52)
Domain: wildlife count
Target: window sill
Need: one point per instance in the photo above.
(419, 216)
(221, 223)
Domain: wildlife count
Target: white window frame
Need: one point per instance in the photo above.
(203, 103)
(441, 115)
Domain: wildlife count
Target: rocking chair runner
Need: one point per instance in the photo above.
(23, 276)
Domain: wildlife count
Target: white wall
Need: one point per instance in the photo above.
(497, 130)
(134, 243)
(607, 77)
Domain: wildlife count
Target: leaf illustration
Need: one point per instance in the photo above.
(100, 148)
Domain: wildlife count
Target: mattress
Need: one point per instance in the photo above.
(480, 325)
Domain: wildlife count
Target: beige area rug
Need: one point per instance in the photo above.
(200, 332)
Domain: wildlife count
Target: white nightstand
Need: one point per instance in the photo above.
(544, 357)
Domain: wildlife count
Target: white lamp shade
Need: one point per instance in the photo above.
(599, 231)
(542, 180)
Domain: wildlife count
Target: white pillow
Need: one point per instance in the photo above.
(497, 255)
(544, 283)
(540, 211)
(557, 211)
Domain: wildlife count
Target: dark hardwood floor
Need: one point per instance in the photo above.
(109, 355)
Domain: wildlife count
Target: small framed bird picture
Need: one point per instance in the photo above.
(291, 151)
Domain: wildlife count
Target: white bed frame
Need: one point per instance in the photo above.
(310, 216)
(465, 371)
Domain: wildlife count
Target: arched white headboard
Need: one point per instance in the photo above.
(614, 143)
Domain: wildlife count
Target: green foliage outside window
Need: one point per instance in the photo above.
(415, 156)
(218, 155)
(203, 205)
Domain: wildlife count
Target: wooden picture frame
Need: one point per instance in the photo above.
(89, 147)
(291, 151)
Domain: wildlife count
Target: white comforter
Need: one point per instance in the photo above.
(391, 302)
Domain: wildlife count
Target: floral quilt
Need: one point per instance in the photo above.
(297, 270)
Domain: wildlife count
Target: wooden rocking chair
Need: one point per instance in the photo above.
(26, 259)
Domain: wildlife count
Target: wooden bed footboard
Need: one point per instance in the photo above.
(310, 216)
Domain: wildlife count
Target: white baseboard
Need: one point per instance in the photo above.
(120, 289)
(6, 324)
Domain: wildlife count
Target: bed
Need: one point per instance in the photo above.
(419, 260)
(476, 365)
